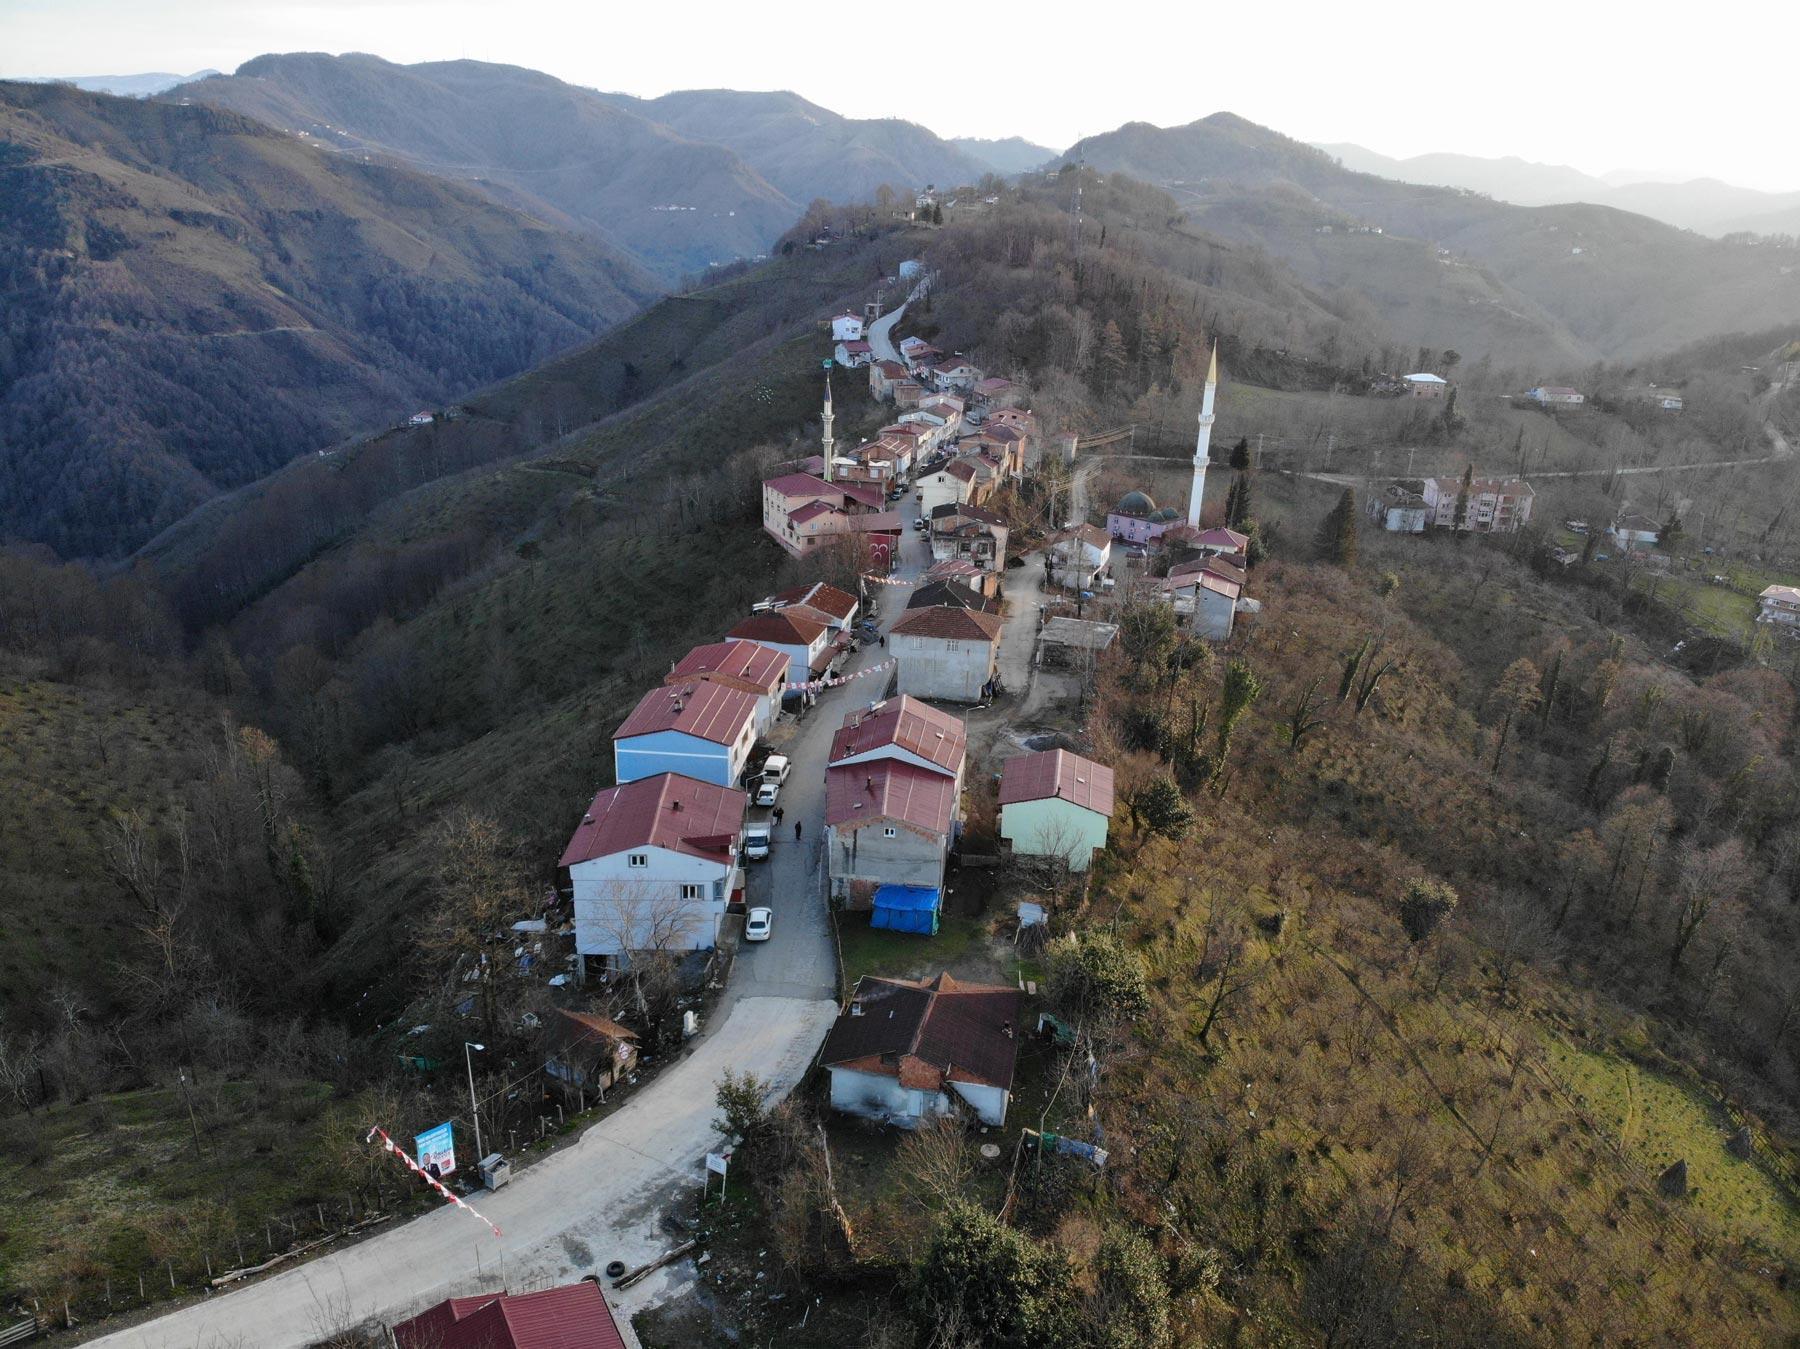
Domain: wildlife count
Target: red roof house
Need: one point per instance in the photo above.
(906, 730)
(574, 1316)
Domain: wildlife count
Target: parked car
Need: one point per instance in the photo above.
(776, 768)
(758, 923)
(920, 524)
(756, 842)
(767, 792)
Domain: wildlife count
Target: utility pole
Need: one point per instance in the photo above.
(474, 1107)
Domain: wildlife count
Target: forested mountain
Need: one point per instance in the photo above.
(1460, 270)
(569, 155)
(807, 151)
(194, 298)
(1703, 204)
(1010, 154)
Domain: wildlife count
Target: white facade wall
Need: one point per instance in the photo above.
(876, 1096)
(937, 667)
(940, 489)
(617, 905)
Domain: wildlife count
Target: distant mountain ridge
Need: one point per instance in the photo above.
(194, 298)
(123, 86)
(1552, 286)
(683, 181)
(1705, 205)
(1008, 155)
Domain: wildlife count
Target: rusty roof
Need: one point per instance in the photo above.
(779, 628)
(949, 622)
(1056, 774)
(927, 1034)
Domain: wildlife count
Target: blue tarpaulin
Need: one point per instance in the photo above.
(906, 908)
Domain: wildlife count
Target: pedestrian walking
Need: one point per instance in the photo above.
(796, 831)
(779, 813)
(884, 641)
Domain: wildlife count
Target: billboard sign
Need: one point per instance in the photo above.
(436, 1150)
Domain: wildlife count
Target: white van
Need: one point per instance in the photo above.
(776, 768)
(756, 841)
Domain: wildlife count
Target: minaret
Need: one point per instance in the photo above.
(825, 422)
(1202, 447)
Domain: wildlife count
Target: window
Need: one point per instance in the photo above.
(637, 859)
(890, 832)
(690, 892)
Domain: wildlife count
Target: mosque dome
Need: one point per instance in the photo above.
(1166, 514)
(1135, 503)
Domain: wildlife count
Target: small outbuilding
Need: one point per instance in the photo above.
(907, 908)
(1055, 803)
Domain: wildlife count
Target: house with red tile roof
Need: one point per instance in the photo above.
(883, 376)
(955, 375)
(758, 670)
(700, 728)
(886, 823)
(951, 483)
(1206, 595)
(946, 652)
(966, 572)
(853, 354)
(805, 641)
(654, 864)
(906, 1052)
(972, 532)
(574, 1316)
(908, 393)
(907, 731)
(798, 509)
(836, 609)
(930, 594)
(1077, 556)
(1056, 804)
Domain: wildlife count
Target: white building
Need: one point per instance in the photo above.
(1426, 385)
(905, 1052)
(1055, 803)
(946, 652)
(948, 484)
(1496, 505)
(1077, 556)
(654, 864)
(1634, 531)
(1398, 510)
(1779, 604)
(1556, 395)
(847, 327)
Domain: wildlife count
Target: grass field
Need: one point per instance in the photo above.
(1658, 1120)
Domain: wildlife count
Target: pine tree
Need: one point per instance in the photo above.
(1240, 453)
(1239, 504)
(1337, 532)
(1461, 519)
(1110, 359)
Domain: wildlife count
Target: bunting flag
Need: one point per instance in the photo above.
(888, 580)
(813, 685)
(414, 1167)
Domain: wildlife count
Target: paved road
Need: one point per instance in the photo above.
(603, 1198)
(880, 335)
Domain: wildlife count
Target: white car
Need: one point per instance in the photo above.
(758, 923)
(767, 793)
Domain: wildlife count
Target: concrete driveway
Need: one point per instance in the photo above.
(880, 335)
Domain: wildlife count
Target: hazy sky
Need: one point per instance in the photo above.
(1594, 83)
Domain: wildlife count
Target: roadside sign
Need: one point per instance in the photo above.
(717, 1161)
(436, 1150)
(825, 364)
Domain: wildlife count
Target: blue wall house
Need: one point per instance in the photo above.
(701, 730)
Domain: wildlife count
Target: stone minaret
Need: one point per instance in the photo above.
(825, 422)
(1203, 446)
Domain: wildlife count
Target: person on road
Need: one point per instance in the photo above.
(779, 812)
(796, 831)
(884, 641)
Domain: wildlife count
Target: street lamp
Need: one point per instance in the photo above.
(474, 1109)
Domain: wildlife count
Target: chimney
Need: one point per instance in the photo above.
(675, 804)
(856, 1009)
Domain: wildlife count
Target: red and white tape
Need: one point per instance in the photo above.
(413, 1166)
(813, 684)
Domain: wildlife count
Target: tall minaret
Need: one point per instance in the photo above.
(1202, 447)
(825, 422)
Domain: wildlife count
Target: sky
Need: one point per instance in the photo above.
(1595, 84)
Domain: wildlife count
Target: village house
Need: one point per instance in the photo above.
(946, 652)
(1496, 505)
(836, 609)
(1055, 804)
(758, 670)
(903, 730)
(1205, 592)
(1139, 520)
(573, 1316)
(793, 494)
(1398, 510)
(701, 729)
(1425, 385)
(588, 1053)
(888, 824)
(1634, 531)
(906, 1053)
(1003, 444)
(1077, 556)
(1556, 396)
(654, 865)
(930, 594)
(993, 389)
(1779, 604)
(974, 532)
(917, 352)
(964, 572)
(883, 376)
(955, 375)
(853, 355)
(806, 642)
(945, 483)
(847, 327)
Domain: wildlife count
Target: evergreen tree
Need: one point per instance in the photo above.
(1337, 532)
(1240, 453)
(1461, 519)
(1239, 504)
(937, 214)
(1110, 359)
